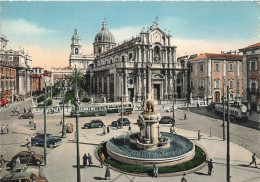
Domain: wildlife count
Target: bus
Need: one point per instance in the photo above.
(86, 110)
(236, 112)
(115, 107)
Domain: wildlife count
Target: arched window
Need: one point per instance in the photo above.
(123, 58)
(2, 85)
(76, 51)
(6, 85)
(156, 53)
(11, 85)
(231, 84)
(14, 85)
(99, 50)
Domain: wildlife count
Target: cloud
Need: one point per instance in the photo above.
(125, 33)
(21, 26)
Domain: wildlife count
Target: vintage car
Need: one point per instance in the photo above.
(26, 157)
(126, 122)
(97, 123)
(51, 141)
(27, 116)
(23, 177)
(166, 120)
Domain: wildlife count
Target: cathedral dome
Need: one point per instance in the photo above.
(104, 35)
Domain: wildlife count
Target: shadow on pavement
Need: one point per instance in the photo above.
(99, 178)
(72, 141)
(200, 173)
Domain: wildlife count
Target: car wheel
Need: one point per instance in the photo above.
(38, 163)
(51, 146)
(21, 117)
(99, 126)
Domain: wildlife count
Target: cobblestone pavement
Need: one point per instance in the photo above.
(61, 160)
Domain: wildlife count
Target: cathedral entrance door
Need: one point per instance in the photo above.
(131, 94)
(156, 91)
(217, 97)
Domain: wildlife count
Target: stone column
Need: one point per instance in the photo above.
(166, 86)
(138, 85)
(154, 132)
(125, 86)
(90, 84)
(115, 87)
(108, 88)
(102, 85)
(98, 91)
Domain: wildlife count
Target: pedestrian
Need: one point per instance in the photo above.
(129, 128)
(253, 160)
(7, 129)
(199, 135)
(2, 129)
(89, 160)
(185, 116)
(85, 158)
(108, 129)
(102, 159)
(121, 124)
(183, 179)
(61, 121)
(210, 166)
(29, 146)
(34, 126)
(104, 129)
(2, 162)
(24, 110)
(108, 174)
(117, 125)
(155, 170)
(75, 136)
(17, 161)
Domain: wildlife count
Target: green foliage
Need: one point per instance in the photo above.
(49, 102)
(85, 99)
(77, 75)
(40, 98)
(198, 159)
(69, 96)
(55, 92)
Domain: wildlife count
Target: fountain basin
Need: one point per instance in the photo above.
(179, 150)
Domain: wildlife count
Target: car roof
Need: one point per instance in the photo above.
(96, 120)
(22, 174)
(25, 152)
(166, 117)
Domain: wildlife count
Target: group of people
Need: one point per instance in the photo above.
(106, 129)
(87, 159)
(5, 129)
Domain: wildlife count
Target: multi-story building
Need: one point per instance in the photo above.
(78, 59)
(251, 76)
(209, 73)
(37, 80)
(123, 69)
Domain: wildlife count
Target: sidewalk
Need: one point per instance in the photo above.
(61, 162)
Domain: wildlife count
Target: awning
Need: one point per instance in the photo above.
(3, 101)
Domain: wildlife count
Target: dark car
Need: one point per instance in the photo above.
(27, 116)
(51, 141)
(166, 120)
(126, 122)
(26, 157)
(97, 123)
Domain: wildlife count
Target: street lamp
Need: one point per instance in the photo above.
(63, 118)
(173, 94)
(45, 135)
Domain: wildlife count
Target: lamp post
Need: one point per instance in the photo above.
(228, 145)
(45, 135)
(223, 100)
(122, 100)
(63, 118)
(76, 103)
(173, 94)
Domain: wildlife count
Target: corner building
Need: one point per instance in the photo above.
(121, 70)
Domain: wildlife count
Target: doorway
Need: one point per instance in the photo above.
(156, 91)
(217, 97)
(131, 94)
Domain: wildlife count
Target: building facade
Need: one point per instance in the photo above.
(78, 59)
(209, 73)
(251, 76)
(121, 71)
(37, 80)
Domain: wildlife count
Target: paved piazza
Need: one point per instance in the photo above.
(61, 161)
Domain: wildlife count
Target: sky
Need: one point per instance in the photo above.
(44, 29)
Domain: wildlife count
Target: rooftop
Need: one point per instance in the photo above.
(252, 46)
(218, 56)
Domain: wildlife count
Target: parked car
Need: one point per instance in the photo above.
(166, 120)
(97, 123)
(170, 109)
(126, 122)
(126, 113)
(27, 116)
(23, 177)
(26, 157)
(51, 141)
(69, 128)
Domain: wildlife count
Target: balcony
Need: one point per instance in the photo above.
(253, 90)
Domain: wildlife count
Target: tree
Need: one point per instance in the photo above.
(80, 79)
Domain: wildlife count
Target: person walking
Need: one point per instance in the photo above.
(7, 129)
(155, 170)
(129, 128)
(2, 160)
(17, 161)
(199, 135)
(85, 158)
(89, 160)
(117, 125)
(183, 179)
(108, 129)
(24, 110)
(2, 129)
(253, 160)
(104, 129)
(102, 159)
(107, 174)
(210, 167)
(185, 116)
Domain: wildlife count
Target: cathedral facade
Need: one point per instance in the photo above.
(120, 71)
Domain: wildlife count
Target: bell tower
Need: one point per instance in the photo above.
(75, 44)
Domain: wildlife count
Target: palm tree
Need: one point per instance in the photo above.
(80, 79)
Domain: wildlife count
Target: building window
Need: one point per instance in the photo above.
(231, 96)
(123, 58)
(201, 84)
(40, 71)
(6, 85)
(230, 67)
(231, 84)
(11, 85)
(202, 67)
(216, 67)
(216, 84)
(130, 57)
(253, 86)
(2, 85)
(253, 65)
(14, 84)
(191, 68)
(191, 84)
(76, 51)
